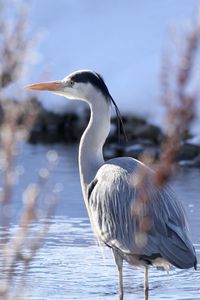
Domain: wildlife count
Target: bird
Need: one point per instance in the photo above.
(144, 224)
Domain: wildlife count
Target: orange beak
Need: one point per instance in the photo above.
(46, 86)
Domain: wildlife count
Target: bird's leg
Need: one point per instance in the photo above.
(121, 289)
(119, 263)
(146, 284)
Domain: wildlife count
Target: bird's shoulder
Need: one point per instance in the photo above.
(121, 167)
(113, 178)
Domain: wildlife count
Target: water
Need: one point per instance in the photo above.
(70, 264)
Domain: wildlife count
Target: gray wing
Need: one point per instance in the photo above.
(139, 219)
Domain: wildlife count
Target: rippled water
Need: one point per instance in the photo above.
(71, 265)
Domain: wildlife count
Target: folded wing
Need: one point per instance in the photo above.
(130, 213)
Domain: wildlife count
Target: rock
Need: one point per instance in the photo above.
(113, 150)
(134, 150)
(149, 132)
(143, 137)
(130, 123)
(135, 121)
(196, 161)
(188, 152)
(186, 163)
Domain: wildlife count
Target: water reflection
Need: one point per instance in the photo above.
(71, 265)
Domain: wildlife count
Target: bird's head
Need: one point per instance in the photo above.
(81, 85)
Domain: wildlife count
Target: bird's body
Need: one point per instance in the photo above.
(147, 227)
(143, 223)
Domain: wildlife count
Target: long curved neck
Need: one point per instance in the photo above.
(93, 139)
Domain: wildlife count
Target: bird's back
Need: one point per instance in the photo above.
(143, 222)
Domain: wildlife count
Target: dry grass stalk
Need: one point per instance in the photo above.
(179, 102)
(14, 42)
(22, 246)
(16, 120)
(180, 105)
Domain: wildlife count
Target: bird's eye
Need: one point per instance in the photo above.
(71, 83)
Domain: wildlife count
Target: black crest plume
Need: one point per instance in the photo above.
(120, 122)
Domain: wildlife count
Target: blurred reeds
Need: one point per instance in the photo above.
(179, 96)
(179, 100)
(15, 44)
(18, 247)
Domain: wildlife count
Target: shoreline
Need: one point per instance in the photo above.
(143, 137)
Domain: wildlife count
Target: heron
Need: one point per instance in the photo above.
(143, 224)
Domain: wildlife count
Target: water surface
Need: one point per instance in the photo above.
(71, 265)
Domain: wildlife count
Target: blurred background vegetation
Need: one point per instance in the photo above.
(17, 117)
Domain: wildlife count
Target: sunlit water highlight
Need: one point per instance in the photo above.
(71, 264)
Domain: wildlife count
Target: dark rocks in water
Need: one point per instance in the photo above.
(53, 128)
(139, 149)
(138, 128)
(150, 132)
(188, 151)
(142, 136)
(194, 163)
(113, 150)
(69, 127)
(189, 155)
(133, 149)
